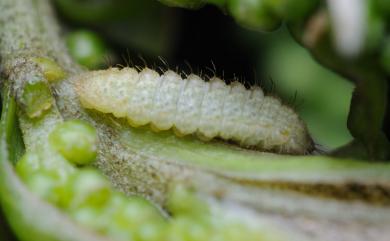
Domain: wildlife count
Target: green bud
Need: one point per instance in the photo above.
(183, 202)
(76, 140)
(101, 217)
(137, 211)
(36, 98)
(44, 184)
(87, 48)
(91, 217)
(51, 70)
(86, 188)
(40, 183)
(136, 218)
(254, 14)
(40, 161)
(150, 231)
(185, 228)
(55, 163)
(28, 164)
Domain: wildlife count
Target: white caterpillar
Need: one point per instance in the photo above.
(210, 109)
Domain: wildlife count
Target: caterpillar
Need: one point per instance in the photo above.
(210, 109)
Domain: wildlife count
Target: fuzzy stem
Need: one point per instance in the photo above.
(27, 29)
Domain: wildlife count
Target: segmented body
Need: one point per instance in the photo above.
(210, 109)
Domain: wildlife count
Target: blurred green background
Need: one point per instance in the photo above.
(323, 98)
(132, 32)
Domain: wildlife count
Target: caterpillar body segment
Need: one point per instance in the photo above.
(210, 109)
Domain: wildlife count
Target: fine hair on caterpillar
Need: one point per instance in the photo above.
(209, 109)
